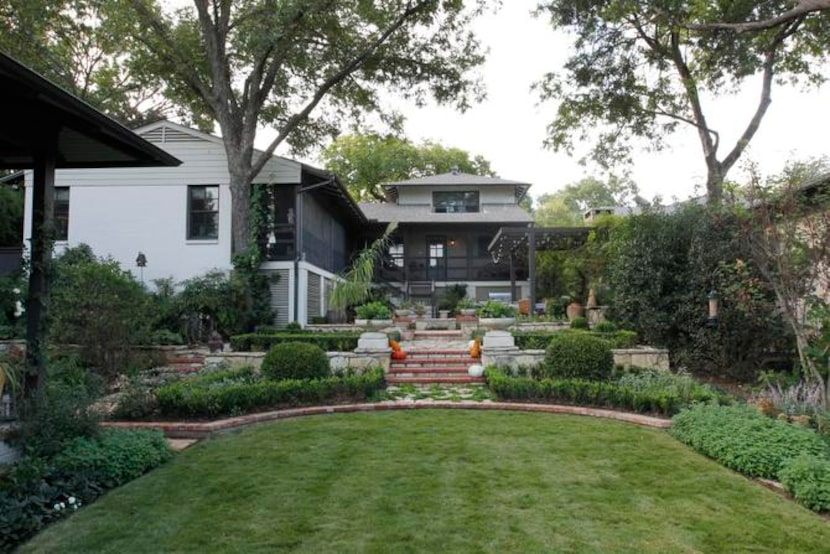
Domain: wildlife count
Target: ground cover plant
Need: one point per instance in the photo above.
(651, 392)
(478, 481)
(262, 342)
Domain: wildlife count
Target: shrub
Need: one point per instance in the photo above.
(539, 340)
(136, 402)
(451, 296)
(662, 396)
(808, 480)
(294, 327)
(743, 439)
(578, 355)
(495, 309)
(165, 337)
(580, 323)
(195, 399)
(37, 491)
(295, 360)
(373, 310)
(605, 327)
(262, 342)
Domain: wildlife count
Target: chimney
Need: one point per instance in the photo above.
(455, 170)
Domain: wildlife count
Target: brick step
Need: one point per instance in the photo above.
(438, 334)
(435, 380)
(434, 361)
(186, 360)
(400, 370)
(438, 352)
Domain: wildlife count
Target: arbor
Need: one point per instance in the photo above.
(639, 70)
(252, 63)
(365, 161)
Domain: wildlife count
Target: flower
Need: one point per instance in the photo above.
(56, 507)
(71, 499)
(18, 309)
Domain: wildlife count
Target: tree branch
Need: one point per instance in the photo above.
(801, 9)
(350, 67)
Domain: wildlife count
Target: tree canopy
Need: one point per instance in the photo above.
(299, 66)
(639, 70)
(566, 207)
(363, 162)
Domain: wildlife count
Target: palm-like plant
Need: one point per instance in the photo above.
(355, 284)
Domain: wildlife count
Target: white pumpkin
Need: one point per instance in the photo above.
(476, 370)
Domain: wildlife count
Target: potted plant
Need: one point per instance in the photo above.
(466, 306)
(420, 309)
(496, 315)
(404, 309)
(373, 313)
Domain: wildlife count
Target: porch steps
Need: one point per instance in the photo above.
(438, 334)
(433, 366)
(187, 362)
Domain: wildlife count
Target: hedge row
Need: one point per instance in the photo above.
(539, 340)
(37, 491)
(193, 399)
(262, 342)
(743, 439)
(666, 401)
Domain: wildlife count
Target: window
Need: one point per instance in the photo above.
(203, 212)
(60, 213)
(455, 202)
(396, 253)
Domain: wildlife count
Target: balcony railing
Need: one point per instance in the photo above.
(449, 268)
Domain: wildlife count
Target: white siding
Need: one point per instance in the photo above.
(122, 211)
(487, 194)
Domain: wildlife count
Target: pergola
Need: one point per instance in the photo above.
(512, 243)
(44, 128)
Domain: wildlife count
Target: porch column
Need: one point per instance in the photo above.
(531, 266)
(43, 201)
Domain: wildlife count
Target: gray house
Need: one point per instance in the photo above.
(445, 226)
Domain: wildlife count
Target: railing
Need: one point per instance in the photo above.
(449, 268)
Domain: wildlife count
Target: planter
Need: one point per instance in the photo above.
(468, 311)
(361, 322)
(403, 313)
(443, 314)
(574, 310)
(380, 323)
(496, 322)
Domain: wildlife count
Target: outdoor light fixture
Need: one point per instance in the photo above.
(141, 262)
(712, 321)
(452, 243)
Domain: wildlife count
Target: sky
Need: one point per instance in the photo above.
(508, 128)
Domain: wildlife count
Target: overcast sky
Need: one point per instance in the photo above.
(509, 127)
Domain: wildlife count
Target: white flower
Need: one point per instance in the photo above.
(18, 308)
(63, 505)
(56, 507)
(71, 500)
(16, 291)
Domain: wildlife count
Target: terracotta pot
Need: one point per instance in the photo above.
(574, 310)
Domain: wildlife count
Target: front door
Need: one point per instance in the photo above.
(437, 261)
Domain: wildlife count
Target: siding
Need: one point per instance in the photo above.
(490, 194)
(280, 296)
(313, 303)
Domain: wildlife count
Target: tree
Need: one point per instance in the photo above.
(639, 70)
(364, 162)
(787, 230)
(799, 8)
(254, 63)
(566, 207)
(66, 41)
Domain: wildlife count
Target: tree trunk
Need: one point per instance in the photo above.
(714, 182)
(240, 187)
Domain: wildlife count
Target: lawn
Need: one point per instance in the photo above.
(440, 481)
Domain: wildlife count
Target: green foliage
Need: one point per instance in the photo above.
(12, 297)
(114, 457)
(99, 306)
(539, 340)
(262, 342)
(11, 215)
(451, 296)
(651, 392)
(192, 398)
(137, 401)
(808, 480)
(295, 360)
(373, 310)
(293, 327)
(165, 337)
(624, 83)
(605, 327)
(37, 491)
(578, 355)
(580, 323)
(567, 206)
(743, 439)
(496, 309)
(364, 162)
(356, 283)
(661, 268)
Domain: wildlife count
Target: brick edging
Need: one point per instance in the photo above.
(184, 430)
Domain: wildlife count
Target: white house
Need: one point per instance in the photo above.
(179, 218)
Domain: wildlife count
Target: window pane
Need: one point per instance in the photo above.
(60, 213)
(455, 201)
(203, 216)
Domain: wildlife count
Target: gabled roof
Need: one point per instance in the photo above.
(457, 179)
(85, 136)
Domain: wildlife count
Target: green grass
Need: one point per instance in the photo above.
(440, 481)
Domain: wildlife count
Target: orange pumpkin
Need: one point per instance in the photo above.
(395, 345)
(475, 351)
(398, 355)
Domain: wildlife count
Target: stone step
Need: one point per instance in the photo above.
(437, 353)
(399, 371)
(419, 360)
(438, 334)
(433, 380)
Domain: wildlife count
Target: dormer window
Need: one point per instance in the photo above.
(455, 202)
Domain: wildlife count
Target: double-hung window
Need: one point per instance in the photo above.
(202, 212)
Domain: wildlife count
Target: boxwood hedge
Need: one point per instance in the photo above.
(263, 342)
(539, 340)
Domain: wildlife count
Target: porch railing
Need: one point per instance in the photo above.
(448, 268)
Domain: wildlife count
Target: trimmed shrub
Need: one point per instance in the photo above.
(295, 360)
(373, 310)
(666, 400)
(262, 342)
(580, 323)
(605, 327)
(743, 439)
(495, 309)
(808, 480)
(578, 355)
(195, 399)
(539, 340)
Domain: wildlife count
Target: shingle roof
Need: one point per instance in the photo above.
(458, 179)
(422, 213)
